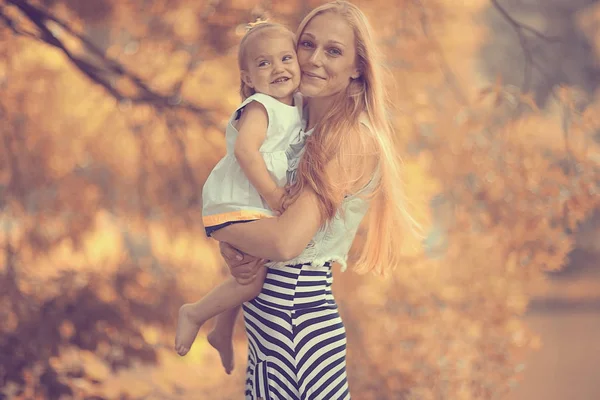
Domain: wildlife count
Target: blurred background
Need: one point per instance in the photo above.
(112, 115)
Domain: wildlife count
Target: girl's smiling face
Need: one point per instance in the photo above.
(271, 66)
(327, 56)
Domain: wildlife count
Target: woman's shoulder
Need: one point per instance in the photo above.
(363, 142)
(359, 156)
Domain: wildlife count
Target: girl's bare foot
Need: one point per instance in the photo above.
(187, 329)
(224, 346)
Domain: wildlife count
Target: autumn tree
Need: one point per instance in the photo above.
(113, 115)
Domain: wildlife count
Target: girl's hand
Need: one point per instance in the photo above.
(243, 267)
(275, 199)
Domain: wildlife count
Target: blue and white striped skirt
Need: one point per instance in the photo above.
(297, 341)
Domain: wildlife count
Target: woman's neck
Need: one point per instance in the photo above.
(317, 107)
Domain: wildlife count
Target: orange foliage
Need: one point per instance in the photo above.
(112, 118)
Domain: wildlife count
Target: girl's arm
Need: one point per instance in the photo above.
(252, 131)
(280, 238)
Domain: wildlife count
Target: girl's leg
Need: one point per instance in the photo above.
(226, 296)
(221, 337)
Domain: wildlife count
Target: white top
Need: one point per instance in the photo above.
(227, 194)
(331, 243)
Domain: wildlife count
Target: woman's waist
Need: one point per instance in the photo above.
(297, 286)
(273, 302)
(316, 257)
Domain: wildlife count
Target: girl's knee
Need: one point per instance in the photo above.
(252, 289)
(257, 283)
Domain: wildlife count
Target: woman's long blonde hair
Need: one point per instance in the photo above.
(364, 97)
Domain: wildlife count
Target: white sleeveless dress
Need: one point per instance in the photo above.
(227, 195)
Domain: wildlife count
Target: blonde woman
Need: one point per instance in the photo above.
(297, 341)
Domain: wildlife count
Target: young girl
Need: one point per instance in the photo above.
(247, 184)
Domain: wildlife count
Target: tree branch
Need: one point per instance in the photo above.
(106, 68)
(521, 30)
(521, 26)
(12, 26)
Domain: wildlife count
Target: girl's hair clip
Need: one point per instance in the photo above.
(252, 25)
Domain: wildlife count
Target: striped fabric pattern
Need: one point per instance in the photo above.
(296, 338)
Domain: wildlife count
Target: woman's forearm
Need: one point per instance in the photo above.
(259, 238)
(279, 238)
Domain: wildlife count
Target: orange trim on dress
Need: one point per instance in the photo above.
(240, 215)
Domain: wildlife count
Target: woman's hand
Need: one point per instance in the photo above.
(243, 267)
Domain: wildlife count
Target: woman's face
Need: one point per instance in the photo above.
(327, 56)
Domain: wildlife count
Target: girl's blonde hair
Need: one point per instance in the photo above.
(255, 31)
(364, 97)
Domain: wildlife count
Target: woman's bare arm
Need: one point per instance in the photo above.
(280, 238)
